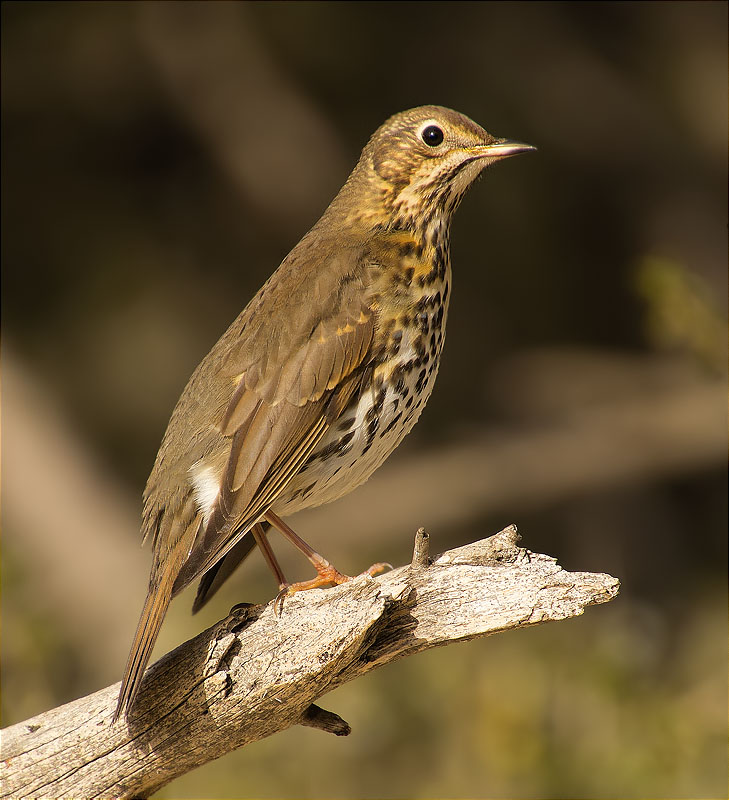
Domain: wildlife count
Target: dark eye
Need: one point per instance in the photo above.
(432, 135)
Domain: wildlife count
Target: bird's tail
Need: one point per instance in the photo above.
(150, 622)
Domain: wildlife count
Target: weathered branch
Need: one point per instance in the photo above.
(254, 673)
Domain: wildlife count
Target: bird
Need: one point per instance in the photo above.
(321, 375)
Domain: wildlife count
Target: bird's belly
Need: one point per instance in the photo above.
(367, 432)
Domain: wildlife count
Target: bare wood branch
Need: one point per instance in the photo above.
(255, 673)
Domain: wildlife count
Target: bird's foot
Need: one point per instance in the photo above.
(326, 575)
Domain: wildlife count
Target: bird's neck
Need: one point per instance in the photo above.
(367, 205)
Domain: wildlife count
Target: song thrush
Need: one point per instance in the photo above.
(322, 374)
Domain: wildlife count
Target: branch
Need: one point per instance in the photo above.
(255, 673)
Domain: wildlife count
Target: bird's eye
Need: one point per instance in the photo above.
(432, 135)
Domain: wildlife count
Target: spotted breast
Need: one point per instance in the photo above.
(410, 284)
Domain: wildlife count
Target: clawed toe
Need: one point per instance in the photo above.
(376, 569)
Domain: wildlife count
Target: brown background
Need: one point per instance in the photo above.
(158, 162)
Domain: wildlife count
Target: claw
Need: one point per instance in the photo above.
(278, 601)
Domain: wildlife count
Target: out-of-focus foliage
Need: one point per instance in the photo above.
(159, 159)
(682, 311)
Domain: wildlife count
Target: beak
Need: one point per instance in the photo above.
(503, 148)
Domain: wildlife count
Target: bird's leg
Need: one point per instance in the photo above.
(260, 536)
(326, 574)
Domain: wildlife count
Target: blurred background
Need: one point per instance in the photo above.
(160, 159)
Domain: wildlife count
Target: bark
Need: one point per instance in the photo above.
(258, 672)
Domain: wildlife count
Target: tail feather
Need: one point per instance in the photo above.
(150, 622)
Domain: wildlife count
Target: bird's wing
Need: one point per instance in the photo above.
(291, 380)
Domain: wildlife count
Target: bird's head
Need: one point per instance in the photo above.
(422, 161)
(414, 171)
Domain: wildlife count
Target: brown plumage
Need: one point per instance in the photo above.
(322, 374)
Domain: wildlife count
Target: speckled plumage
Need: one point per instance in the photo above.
(323, 373)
